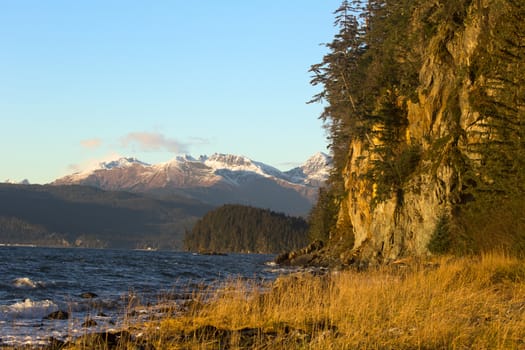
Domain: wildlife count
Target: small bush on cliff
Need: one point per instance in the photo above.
(441, 240)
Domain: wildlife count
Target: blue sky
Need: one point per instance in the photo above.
(87, 81)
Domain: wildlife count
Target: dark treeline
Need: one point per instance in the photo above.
(237, 228)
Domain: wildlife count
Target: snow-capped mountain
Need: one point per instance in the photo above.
(122, 163)
(217, 179)
(314, 172)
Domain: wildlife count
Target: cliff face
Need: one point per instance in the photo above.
(462, 105)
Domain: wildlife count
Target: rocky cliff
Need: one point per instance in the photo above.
(431, 152)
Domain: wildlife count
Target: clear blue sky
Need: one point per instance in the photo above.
(86, 81)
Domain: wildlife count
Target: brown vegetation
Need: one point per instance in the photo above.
(452, 303)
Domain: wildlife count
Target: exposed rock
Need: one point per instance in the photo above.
(280, 336)
(54, 344)
(57, 315)
(88, 295)
(212, 253)
(104, 340)
(301, 257)
(445, 128)
(89, 323)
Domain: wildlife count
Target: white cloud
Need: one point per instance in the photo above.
(153, 141)
(91, 143)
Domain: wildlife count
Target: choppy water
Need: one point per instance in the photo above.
(37, 281)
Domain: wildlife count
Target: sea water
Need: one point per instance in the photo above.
(35, 282)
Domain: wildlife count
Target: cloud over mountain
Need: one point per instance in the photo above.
(153, 141)
(91, 143)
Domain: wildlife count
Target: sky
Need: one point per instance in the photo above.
(88, 81)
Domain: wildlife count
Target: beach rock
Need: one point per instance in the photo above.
(54, 344)
(57, 315)
(89, 323)
(301, 257)
(104, 340)
(210, 332)
(212, 253)
(88, 295)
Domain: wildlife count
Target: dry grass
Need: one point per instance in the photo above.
(451, 303)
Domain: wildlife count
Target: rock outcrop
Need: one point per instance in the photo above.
(443, 144)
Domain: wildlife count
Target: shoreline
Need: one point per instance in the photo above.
(445, 302)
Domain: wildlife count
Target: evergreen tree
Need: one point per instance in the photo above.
(323, 216)
(370, 76)
(340, 78)
(237, 228)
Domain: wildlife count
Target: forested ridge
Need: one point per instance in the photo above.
(237, 228)
(425, 113)
(82, 216)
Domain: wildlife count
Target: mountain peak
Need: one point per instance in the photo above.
(231, 162)
(123, 162)
(229, 159)
(216, 179)
(314, 171)
(185, 158)
(318, 161)
(319, 156)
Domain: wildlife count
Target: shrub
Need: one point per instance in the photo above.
(441, 240)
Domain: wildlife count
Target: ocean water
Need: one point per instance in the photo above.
(35, 282)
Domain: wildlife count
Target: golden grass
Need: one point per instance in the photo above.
(450, 303)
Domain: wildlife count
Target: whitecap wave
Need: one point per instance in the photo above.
(28, 309)
(26, 282)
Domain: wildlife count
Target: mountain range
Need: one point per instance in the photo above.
(127, 203)
(215, 180)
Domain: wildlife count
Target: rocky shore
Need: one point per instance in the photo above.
(285, 337)
(307, 256)
(447, 302)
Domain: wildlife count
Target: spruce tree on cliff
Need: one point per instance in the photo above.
(425, 109)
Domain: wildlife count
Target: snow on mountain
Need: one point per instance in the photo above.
(318, 167)
(237, 167)
(80, 176)
(314, 171)
(121, 163)
(219, 178)
(231, 167)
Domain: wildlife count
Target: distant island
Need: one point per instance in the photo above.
(238, 228)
